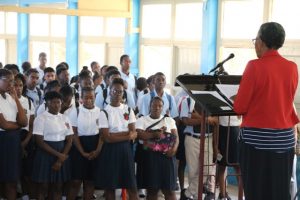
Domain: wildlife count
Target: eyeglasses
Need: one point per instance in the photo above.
(254, 40)
(117, 91)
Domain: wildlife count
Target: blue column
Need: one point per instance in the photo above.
(22, 38)
(209, 35)
(72, 41)
(132, 38)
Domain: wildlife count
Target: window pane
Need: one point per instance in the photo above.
(3, 52)
(157, 59)
(11, 23)
(237, 65)
(1, 22)
(242, 19)
(39, 24)
(90, 52)
(188, 21)
(58, 53)
(156, 21)
(58, 25)
(286, 12)
(36, 49)
(91, 26)
(115, 27)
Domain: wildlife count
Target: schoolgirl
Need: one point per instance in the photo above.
(115, 166)
(12, 118)
(85, 123)
(26, 137)
(157, 166)
(53, 135)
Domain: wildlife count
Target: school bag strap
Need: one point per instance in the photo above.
(154, 124)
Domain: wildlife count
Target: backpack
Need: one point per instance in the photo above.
(105, 97)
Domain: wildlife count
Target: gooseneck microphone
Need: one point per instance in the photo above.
(221, 63)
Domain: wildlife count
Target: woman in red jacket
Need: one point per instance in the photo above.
(265, 100)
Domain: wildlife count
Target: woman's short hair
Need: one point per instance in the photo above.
(272, 34)
(117, 81)
(156, 98)
(52, 95)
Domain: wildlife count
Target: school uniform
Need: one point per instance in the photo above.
(27, 158)
(10, 144)
(130, 79)
(42, 108)
(102, 102)
(169, 108)
(155, 170)
(54, 129)
(36, 95)
(87, 123)
(115, 165)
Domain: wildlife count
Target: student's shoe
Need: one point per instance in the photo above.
(183, 196)
(227, 197)
(209, 196)
(142, 193)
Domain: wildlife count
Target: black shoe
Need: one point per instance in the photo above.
(209, 196)
(183, 196)
(227, 197)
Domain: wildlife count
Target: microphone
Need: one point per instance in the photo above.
(221, 63)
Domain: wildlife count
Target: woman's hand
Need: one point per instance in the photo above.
(57, 165)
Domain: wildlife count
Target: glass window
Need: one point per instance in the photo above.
(91, 26)
(3, 52)
(58, 25)
(237, 65)
(286, 13)
(39, 24)
(1, 22)
(90, 52)
(11, 23)
(188, 21)
(115, 27)
(157, 59)
(156, 21)
(241, 19)
(36, 49)
(58, 53)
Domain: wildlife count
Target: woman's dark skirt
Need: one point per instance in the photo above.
(42, 165)
(230, 151)
(82, 168)
(27, 155)
(115, 167)
(156, 171)
(265, 174)
(10, 156)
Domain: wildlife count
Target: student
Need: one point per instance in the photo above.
(53, 135)
(170, 107)
(103, 97)
(85, 123)
(158, 169)
(26, 66)
(141, 89)
(33, 92)
(125, 72)
(115, 165)
(62, 74)
(51, 86)
(42, 66)
(26, 137)
(12, 118)
(49, 75)
(13, 68)
(97, 80)
(95, 67)
(68, 104)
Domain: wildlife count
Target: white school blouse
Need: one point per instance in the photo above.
(118, 118)
(86, 120)
(54, 128)
(29, 110)
(8, 108)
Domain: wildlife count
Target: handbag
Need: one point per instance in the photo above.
(162, 144)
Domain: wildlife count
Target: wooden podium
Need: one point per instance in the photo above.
(209, 101)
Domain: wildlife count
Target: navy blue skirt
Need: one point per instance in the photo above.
(27, 155)
(82, 168)
(10, 156)
(42, 165)
(156, 171)
(115, 167)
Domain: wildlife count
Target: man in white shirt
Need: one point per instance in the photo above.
(42, 66)
(125, 73)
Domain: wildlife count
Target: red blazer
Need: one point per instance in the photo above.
(266, 93)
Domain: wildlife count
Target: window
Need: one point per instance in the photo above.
(36, 49)
(156, 21)
(286, 13)
(2, 49)
(115, 27)
(90, 52)
(241, 19)
(91, 26)
(188, 22)
(39, 25)
(58, 25)
(11, 23)
(2, 19)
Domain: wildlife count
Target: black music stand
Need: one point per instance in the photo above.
(209, 101)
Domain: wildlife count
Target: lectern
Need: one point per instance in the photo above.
(210, 100)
